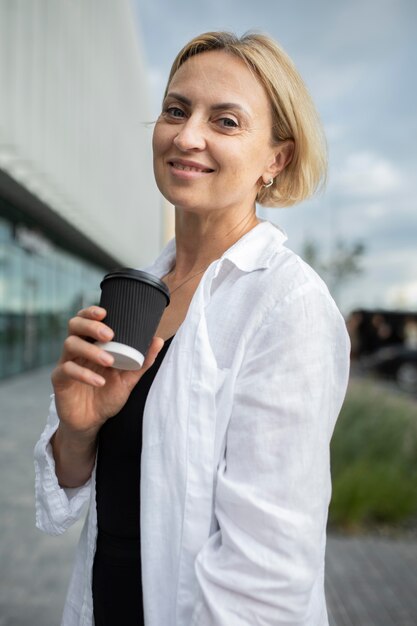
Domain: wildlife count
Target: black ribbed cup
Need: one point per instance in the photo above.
(134, 301)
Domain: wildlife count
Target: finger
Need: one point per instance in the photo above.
(86, 327)
(93, 312)
(70, 370)
(78, 348)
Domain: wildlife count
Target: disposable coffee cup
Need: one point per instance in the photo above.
(134, 301)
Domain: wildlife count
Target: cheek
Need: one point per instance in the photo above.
(244, 169)
(156, 140)
(247, 159)
(157, 151)
(160, 138)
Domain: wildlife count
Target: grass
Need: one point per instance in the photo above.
(374, 459)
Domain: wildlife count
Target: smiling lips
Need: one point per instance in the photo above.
(179, 165)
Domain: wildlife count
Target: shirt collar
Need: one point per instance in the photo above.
(255, 250)
(251, 252)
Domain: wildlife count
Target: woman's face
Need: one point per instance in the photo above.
(212, 142)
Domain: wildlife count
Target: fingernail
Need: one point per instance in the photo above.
(98, 380)
(105, 333)
(106, 358)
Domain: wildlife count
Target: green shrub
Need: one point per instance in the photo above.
(374, 458)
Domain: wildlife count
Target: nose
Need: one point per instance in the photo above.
(191, 136)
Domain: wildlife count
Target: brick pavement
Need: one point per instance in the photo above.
(369, 581)
(34, 568)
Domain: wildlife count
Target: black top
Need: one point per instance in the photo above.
(117, 589)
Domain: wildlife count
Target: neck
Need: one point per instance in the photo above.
(203, 239)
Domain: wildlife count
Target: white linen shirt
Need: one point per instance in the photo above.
(235, 472)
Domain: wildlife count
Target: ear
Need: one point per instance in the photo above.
(282, 156)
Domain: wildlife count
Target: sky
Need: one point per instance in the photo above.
(358, 59)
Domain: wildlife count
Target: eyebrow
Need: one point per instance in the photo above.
(215, 107)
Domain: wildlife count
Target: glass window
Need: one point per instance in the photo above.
(5, 231)
(39, 291)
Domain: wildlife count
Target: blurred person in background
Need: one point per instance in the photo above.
(410, 333)
(207, 472)
(354, 325)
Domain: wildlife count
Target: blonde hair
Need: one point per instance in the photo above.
(294, 115)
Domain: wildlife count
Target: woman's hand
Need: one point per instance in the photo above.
(88, 391)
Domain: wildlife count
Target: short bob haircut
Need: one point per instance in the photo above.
(294, 115)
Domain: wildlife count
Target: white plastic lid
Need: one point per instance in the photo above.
(125, 357)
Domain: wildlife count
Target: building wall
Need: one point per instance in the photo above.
(74, 119)
(77, 193)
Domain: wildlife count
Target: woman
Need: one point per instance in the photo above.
(234, 470)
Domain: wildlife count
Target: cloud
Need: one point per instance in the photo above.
(328, 84)
(367, 175)
(335, 131)
(403, 295)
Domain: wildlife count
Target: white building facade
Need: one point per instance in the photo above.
(77, 193)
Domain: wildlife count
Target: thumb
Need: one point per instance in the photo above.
(132, 377)
(153, 351)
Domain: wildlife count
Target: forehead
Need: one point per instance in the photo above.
(220, 76)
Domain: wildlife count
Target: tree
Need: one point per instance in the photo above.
(343, 262)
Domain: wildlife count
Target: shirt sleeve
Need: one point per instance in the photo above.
(57, 508)
(265, 564)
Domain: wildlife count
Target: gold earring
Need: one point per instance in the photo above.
(266, 185)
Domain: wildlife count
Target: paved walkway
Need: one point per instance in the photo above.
(369, 582)
(34, 568)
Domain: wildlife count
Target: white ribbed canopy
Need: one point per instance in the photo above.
(73, 109)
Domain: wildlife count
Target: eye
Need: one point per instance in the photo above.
(174, 112)
(227, 122)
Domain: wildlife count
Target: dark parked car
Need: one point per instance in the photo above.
(395, 362)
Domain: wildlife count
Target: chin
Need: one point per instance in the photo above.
(184, 202)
